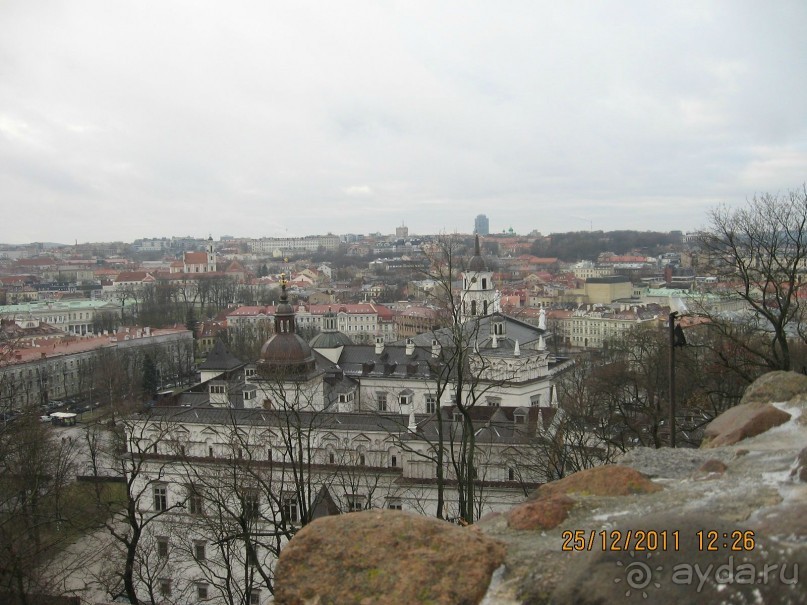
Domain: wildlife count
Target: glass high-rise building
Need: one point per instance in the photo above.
(481, 225)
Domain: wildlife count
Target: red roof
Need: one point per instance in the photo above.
(127, 276)
(196, 258)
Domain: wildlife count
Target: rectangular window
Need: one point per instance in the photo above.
(382, 401)
(290, 511)
(255, 597)
(199, 551)
(165, 588)
(162, 547)
(252, 556)
(195, 506)
(201, 591)
(355, 502)
(494, 402)
(160, 498)
(252, 503)
(431, 404)
(394, 504)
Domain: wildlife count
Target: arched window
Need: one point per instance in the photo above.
(473, 307)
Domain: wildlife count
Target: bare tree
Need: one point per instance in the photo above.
(761, 248)
(36, 471)
(146, 501)
(461, 375)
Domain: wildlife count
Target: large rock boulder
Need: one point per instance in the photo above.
(609, 480)
(544, 513)
(741, 422)
(777, 387)
(383, 556)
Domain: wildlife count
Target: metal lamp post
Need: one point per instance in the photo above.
(677, 339)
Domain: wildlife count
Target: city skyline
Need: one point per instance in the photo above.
(121, 120)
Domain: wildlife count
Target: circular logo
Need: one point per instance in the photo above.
(638, 575)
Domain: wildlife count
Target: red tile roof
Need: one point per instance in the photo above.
(196, 258)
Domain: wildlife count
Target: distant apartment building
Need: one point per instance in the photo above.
(61, 366)
(587, 269)
(417, 319)
(360, 322)
(154, 244)
(402, 231)
(72, 316)
(481, 225)
(591, 329)
(280, 245)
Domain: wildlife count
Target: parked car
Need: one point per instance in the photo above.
(45, 419)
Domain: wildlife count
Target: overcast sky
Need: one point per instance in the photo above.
(121, 120)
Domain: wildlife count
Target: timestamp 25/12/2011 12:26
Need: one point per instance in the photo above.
(656, 540)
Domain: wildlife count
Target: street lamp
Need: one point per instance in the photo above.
(677, 339)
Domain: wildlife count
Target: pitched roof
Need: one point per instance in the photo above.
(196, 258)
(220, 358)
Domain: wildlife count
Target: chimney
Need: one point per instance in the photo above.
(379, 345)
(410, 347)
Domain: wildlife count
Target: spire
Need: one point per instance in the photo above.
(477, 251)
(284, 314)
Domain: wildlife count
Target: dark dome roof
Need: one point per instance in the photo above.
(285, 354)
(330, 340)
(477, 263)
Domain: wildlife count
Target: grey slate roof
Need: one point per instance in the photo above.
(492, 425)
(362, 360)
(479, 329)
(219, 358)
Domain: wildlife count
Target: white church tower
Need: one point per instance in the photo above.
(478, 296)
(211, 255)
